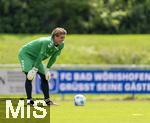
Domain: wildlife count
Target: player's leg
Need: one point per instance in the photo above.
(26, 65)
(44, 84)
(44, 87)
(28, 88)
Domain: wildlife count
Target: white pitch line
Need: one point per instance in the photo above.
(137, 114)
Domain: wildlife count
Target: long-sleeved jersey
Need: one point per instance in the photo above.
(39, 50)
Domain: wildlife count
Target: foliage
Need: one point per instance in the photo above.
(77, 16)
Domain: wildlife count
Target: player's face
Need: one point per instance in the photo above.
(59, 39)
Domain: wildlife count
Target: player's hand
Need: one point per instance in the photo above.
(32, 73)
(47, 74)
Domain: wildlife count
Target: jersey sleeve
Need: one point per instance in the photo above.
(53, 59)
(40, 56)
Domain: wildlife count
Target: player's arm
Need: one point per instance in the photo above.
(53, 58)
(31, 74)
(50, 63)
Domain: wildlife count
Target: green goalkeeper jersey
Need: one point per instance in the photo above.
(39, 50)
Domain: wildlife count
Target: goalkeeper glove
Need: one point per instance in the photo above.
(47, 74)
(31, 74)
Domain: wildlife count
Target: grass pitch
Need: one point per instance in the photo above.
(85, 49)
(108, 111)
(102, 112)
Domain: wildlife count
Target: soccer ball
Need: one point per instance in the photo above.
(79, 100)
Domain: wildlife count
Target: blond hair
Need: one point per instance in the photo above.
(58, 31)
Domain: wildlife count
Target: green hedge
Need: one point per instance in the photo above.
(77, 16)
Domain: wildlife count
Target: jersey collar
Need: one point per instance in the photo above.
(52, 43)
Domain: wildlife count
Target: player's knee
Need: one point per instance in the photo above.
(28, 81)
(43, 78)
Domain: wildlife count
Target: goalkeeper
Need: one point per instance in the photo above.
(31, 56)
